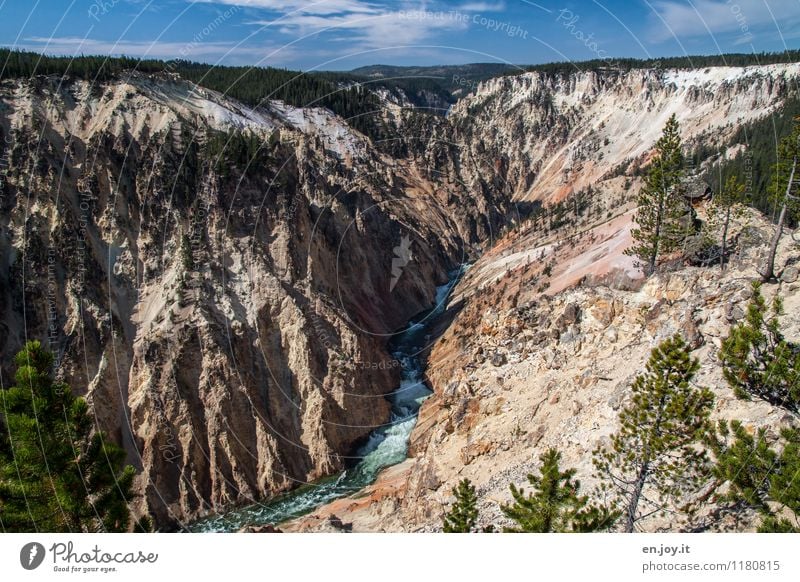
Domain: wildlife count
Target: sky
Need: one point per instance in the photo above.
(344, 34)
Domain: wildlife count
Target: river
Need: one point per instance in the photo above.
(386, 446)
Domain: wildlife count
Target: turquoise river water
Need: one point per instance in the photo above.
(386, 446)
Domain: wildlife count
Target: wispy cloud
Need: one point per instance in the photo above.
(305, 6)
(482, 7)
(703, 17)
(367, 24)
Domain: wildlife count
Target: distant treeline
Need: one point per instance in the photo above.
(687, 62)
(340, 92)
(254, 83)
(21, 64)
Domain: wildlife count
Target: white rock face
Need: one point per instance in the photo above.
(563, 133)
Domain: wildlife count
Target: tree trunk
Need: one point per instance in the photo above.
(651, 267)
(644, 472)
(769, 268)
(633, 502)
(651, 264)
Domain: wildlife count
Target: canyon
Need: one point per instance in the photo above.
(221, 281)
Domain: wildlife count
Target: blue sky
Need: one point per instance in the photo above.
(342, 34)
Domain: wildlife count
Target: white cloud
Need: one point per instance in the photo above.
(367, 24)
(482, 7)
(701, 17)
(305, 6)
(373, 30)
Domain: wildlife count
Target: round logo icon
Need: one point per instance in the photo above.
(31, 555)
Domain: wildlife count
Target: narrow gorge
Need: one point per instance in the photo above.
(386, 446)
(225, 283)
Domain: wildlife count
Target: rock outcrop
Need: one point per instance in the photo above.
(217, 280)
(520, 371)
(546, 136)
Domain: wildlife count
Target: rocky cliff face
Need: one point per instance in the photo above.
(550, 135)
(220, 281)
(216, 280)
(520, 371)
(553, 322)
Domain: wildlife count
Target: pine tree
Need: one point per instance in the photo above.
(745, 461)
(727, 204)
(784, 489)
(55, 476)
(653, 459)
(757, 362)
(555, 504)
(783, 192)
(464, 513)
(660, 203)
(759, 477)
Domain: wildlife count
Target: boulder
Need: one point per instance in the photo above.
(790, 274)
(498, 359)
(570, 315)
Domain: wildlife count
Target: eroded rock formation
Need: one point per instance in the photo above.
(218, 280)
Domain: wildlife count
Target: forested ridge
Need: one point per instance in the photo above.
(253, 84)
(250, 85)
(685, 62)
